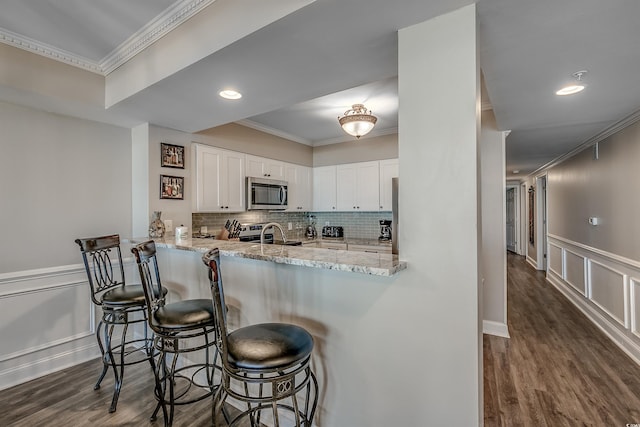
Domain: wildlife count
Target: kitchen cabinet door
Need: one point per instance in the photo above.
(262, 167)
(219, 180)
(388, 169)
(324, 189)
(358, 186)
(299, 183)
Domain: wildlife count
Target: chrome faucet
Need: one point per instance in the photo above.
(269, 225)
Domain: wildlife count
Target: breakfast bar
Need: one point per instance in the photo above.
(338, 296)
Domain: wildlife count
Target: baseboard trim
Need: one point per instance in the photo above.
(47, 365)
(532, 262)
(610, 329)
(497, 329)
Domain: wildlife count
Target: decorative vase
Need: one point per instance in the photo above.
(156, 228)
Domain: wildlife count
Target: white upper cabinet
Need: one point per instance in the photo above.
(358, 186)
(299, 179)
(324, 189)
(262, 167)
(219, 180)
(388, 169)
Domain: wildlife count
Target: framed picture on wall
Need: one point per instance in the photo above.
(172, 156)
(171, 187)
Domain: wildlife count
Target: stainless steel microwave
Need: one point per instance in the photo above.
(266, 194)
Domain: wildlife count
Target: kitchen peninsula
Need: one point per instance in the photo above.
(357, 262)
(340, 297)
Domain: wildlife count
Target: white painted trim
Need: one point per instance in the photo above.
(532, 262)
(585, 271)
(26, 275)
(266, 129)
(614, 128)
(498, 329)
(625, 316)
(618, 336)
(38, 368)
(633, 282)
(609, 255)
(562, 261)
(155, 29)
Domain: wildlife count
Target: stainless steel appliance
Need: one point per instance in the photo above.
(251, 233)
(332, 231)
(266, 194)
(385, 229)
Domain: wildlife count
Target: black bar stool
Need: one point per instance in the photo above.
(180, 327)
(122, 305)
(265, 366)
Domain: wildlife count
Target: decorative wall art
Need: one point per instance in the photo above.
(171, 187)
(172, 156)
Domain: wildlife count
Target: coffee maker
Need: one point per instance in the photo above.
(385, 229)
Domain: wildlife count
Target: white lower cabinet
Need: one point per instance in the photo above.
(220, 180)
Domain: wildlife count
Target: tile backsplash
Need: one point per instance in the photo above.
(362, 225)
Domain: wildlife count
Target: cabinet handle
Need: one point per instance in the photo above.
(354, 207)
(333, 207)
(381, 207)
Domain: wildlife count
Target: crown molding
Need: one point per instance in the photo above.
(348, 138)
(48, 51)
(266, 129)
(599, 137)
(155, 29)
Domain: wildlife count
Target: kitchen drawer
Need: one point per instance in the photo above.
(333, 245)
(371, 249)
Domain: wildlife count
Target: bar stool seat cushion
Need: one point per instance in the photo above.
(268, 346)
(185, 315)
(122, 296)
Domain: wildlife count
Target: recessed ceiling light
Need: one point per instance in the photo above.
(516, 171)
(574, 87)
(230, 94)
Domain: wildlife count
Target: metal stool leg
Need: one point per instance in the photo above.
(105, 367)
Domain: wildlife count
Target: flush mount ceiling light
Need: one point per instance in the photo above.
(230, 94)
(357, 121)
(575, 87)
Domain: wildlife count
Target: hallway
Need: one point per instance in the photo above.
(557, 369)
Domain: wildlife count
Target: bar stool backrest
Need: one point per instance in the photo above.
(212, 260)
(103, 263)
(145, 254)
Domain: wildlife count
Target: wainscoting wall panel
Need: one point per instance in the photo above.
(575, 271)
(47, 322)
(634, 285)
(607, 290)
(556, 263)
(604, 286)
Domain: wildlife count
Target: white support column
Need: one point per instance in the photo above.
(438, 213)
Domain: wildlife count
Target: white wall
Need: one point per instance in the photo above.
(63, 178)
(437, 296)
(493, 255)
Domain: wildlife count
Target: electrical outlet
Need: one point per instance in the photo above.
(326, 223)
(289, 226)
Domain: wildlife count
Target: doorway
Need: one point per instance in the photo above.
(512, 218)
(541, 222)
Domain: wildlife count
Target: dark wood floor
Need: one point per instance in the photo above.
(557, 369)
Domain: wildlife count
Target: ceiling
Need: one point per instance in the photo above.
(301, 71)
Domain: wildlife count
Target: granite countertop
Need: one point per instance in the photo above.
(357, 262)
